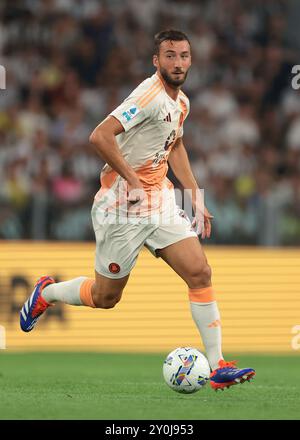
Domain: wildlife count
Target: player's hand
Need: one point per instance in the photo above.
(202, 223)
(135, 191)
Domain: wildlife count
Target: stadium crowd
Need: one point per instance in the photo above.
(69, 63)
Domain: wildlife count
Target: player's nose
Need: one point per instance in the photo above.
(178, 63)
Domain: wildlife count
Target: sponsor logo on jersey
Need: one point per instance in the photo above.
(130, 113)
(159, 158)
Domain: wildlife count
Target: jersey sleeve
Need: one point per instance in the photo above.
(130, 113)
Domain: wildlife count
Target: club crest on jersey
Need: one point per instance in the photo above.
(114, 268)
(170, 139)
(130, 113)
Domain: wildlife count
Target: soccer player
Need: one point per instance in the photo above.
(136, 206)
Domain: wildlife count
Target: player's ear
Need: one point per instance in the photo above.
(155, 61)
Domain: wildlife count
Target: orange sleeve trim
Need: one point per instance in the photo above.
(150, 97)
(86, 292)
(148, 91)
(203, 295)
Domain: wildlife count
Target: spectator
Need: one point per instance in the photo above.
(69, 63)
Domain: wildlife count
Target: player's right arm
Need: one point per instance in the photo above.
(104, 140)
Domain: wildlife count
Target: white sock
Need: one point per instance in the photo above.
(67, 292)
(207, 319)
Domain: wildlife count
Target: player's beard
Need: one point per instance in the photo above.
(170, 81)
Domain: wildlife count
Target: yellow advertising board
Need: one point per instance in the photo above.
(258, 292)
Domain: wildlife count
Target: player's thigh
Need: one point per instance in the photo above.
(188, 260)
(117, 249)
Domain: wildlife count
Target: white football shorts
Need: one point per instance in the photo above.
(118, 245)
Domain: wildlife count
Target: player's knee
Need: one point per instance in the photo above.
(108, 304)
(200, 276)
(105, 303)
(106, 300)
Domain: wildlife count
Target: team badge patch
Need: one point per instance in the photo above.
(130, 113)
(114, 268)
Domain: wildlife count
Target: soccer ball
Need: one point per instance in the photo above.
(186, 370)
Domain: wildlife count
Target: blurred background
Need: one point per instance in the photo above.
(69, 63)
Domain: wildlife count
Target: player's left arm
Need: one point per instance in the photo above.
(180, 164)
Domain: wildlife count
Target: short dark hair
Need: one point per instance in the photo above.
(169, 35)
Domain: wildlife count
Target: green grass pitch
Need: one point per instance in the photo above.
(130, 387)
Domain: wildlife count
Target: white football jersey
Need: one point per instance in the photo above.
(152, 123)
